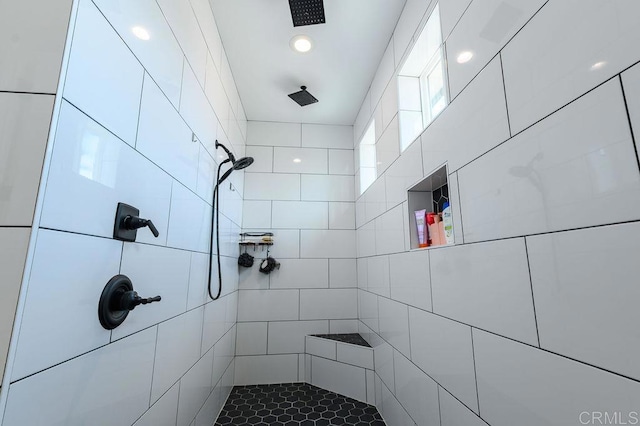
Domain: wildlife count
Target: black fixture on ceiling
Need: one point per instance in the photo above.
(307, 12)
(303, 98)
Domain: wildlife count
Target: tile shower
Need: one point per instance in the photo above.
(530, 315)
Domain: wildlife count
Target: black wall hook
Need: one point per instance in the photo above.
(117, 300)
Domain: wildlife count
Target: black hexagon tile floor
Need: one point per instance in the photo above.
(294, 404)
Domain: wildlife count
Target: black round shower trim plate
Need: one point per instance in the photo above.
(117, 299)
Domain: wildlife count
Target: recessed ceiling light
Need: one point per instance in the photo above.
(464, 57)
(301, 43)
(598, 65)
(297, 160)
(141, 33)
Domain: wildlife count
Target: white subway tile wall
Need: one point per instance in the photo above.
(136, 124)
(543, 174)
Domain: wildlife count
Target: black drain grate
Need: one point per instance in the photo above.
(307, 12)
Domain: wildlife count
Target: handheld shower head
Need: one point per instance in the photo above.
(240, 164)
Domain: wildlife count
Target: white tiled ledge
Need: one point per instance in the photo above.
(340, 367)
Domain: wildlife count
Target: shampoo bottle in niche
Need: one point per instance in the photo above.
(447, 219)
(422, 229)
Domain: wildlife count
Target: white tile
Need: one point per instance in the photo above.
(307, 368)
(328, 243)
(343, 326)
(410, 280)
(104, 79)
(300, 214)
(211, 408)
(565, 172)
(195, 387)
(14, 243)
(300, 160)
(317, 346)
(99, 375)
(593, 300)
(289, 336)
(274, 134)
(327, 188)
(251, 278)
(443, 349)
(485, 28)
(454, 413)
(341, 378)
(454, 198)
(163, 412)
(177, 350)
(402, 174)
(366, 236)
(375, 199)
(486, 285)
(368, 309)
(327, 136)
(389, 103)
(387, 147)
(335, 303)
(256, 214)
(160, 54)
(223, 355)
(341, 162)
(631, 83)
(271, 186)
(417, 392)
(412, 14)
(355, 355)
(184, 25)
(78, 265)
(392, 411)
(253, 370)
(512, 376)
(342, 273)
(196, 110)
(164, 138)
(154, 271)
(33, 38)
(342, 215)
(189, 221)
(301, 273)
(605, 33)
(394, 324)
(390, 231)
(207, 22)
(378, 275)
(198, 274)
(24, 130)
(481, 107)
(89, 163)
(371, 392)
(268, 305)
(215, 325)
(383, 360)
(450, 13)
(214, 91)
(206, 178)
(383, 74)
(263, 159)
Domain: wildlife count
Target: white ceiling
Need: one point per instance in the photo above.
(338, 71)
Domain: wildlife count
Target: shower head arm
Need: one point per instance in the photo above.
(229, 154)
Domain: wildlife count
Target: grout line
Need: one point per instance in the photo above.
(155, 355)
(626, 106)
(533, 299)
(439, 405)
(475, 369)
(504, 87)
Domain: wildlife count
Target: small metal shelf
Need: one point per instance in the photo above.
(255, 243)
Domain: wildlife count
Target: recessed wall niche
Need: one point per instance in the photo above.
(431, 194)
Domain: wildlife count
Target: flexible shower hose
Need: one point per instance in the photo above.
(215, 220)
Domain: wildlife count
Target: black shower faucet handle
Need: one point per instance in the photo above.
(135, 222)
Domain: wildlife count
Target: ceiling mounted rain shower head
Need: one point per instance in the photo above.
(303, 98)
(307, 12)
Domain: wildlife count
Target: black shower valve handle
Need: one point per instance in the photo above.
(134, 222)
(130, 300)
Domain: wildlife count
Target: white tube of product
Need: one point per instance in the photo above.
(422, 229)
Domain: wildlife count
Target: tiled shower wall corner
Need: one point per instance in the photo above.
(31, 58)
(135, 122)
(531, 317)
(301, 188)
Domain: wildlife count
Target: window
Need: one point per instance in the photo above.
(367, 157)
(422, 85)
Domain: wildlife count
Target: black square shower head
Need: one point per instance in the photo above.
(303, 98)
(307, 12)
